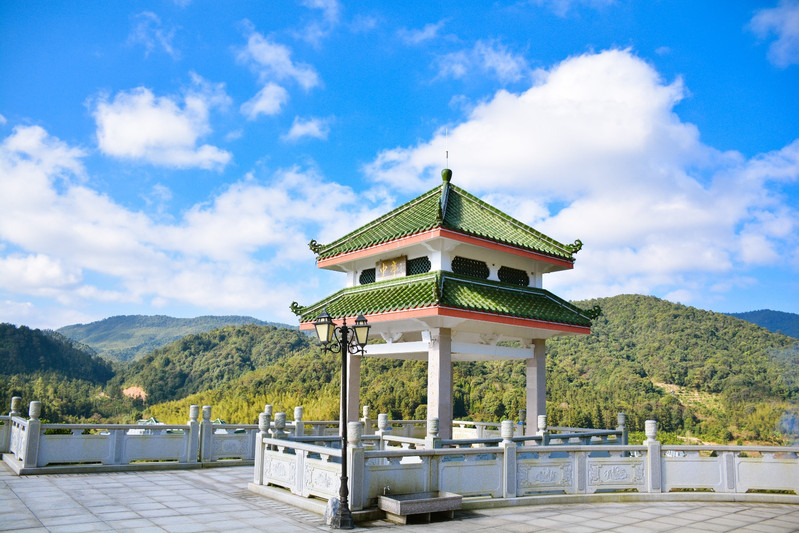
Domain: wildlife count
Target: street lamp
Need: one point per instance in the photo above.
(344, 340)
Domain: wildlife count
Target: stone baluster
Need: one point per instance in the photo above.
(299, 426)
(508, 459)
(206, 435)
(542, 430)
(16, 405)
(621, 419)
(268, 412)
(280, 426)
(264, 421)
(192, 453)
(32, 435)
(653, 463)
(355, 465)
(367, 422)
(382, 429)
(432, 440)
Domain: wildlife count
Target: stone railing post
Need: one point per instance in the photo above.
(508, 459)
(264, 421)
(542, 430)
(653, 459)
(621, 418)
(382, 429)
(206, 435)
(367, 422)
(16, 405)
(432, 440)
(32, 435)
(523, 419)
(193, 452)
(280, 426)
(268, 412)
(299, 426)
(355, 465)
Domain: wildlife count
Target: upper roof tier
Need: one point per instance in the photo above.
(447, 207)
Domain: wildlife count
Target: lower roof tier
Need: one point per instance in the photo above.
(441, 299)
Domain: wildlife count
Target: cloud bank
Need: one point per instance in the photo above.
(594, 150)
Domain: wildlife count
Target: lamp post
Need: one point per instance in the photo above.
(345, 340)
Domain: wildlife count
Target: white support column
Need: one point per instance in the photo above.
(439, 380)
(353, 387)
(536, 386)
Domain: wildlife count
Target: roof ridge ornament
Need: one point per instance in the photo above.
(315, 246)
(576, 247)
(446, 176)
(296, 308)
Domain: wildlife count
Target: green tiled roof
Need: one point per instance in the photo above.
(447, 206)
(445, 289)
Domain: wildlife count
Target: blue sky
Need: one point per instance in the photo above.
(176, 157)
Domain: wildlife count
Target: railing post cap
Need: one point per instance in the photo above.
(433, 426)
(354, 433)
(542, 422)
(35, 410)
(268, 409)
(207, 412)
(194, 412)
(298, 412)
(263, 422)
(506, 430)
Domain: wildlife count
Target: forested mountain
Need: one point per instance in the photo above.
(26, 351)
(707, 374)
(124, 338)
(206, 360)
(695, 371)
(66, 376)
(776, 321)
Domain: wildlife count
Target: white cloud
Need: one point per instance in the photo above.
(562, 7)
(2, 120)
(269, 101)
(418, 36)
(138, 125)
(149, 32)
(273, 60)
(594, 150)
(58, 237)
(489, 57)
(783, 22)
(317, 30)
(35, 274)
(316, 128)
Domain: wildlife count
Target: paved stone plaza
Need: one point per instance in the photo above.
(218, 500)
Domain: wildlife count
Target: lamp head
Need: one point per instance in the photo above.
(361, 331)
(324, 328)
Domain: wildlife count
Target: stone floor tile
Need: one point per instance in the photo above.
(80, 528)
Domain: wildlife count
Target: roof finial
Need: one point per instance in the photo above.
(446, 175)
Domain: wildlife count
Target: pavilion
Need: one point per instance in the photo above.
(446, 277)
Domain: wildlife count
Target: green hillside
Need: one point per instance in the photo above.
(206, 360)
(67, 377)
(124, 338)
(776, 321)
(696, 372)
(700, 373)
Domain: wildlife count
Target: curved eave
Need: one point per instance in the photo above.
(467, 314)
(427, 235)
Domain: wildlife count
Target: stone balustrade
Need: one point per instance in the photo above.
(509, 469)
(36, 447)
